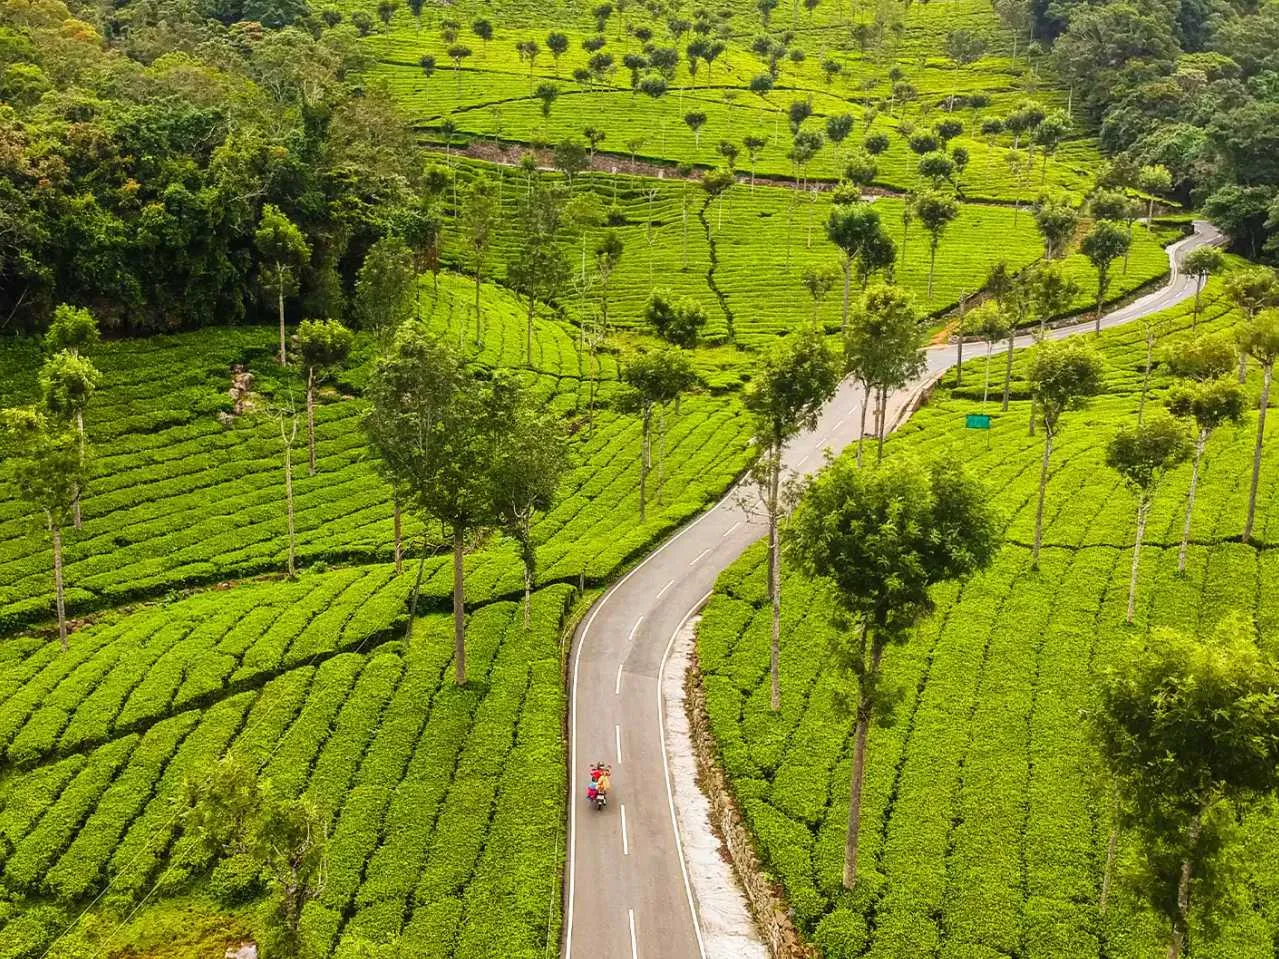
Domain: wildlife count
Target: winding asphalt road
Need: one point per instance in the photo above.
(627, 890)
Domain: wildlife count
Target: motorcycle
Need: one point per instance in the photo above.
(597, 789)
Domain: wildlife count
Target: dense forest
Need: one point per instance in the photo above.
(1191, 85)
(135, 171)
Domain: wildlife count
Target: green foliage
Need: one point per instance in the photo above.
(1143, 454)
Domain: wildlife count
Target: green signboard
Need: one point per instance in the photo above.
(977, 421)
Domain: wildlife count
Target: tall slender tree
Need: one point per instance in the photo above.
(883, 349)
(1201, 263)
(67, 383)
(1260, 340)
(1143, 455)
(794, 381)
(1189, 731)
(1063, 375)
(1209, 404)
(324, 346)
(1103, 244)
(46, 465)
(282, 252)
(433, 427)
(880, 539)
(852, 227)
(480, 212)
(530, 457)
(935, 212)
(654, 379)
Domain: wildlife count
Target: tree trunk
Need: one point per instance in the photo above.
(1256, 453)
(75, 492)
(1181, 924)
(528, 593)
(1243, 367)
(848, 279)
(479, 321)
(959, 354)
(1112, 846)
(417, 587)
(310, 420)
(1145, 374)
(399, 542)
(59, 596)
(1190, 498)
(883, 424)
(528, 332)
(459, 607)
(861, 436)
(864, 709)
(284, 357)
(1008, 374)
(1143, 510)
(288, 497)
(774, 579)
(985, 392)
(1100, 294)
(932, 265)
(644, 459)
(1199, 288)
(1039, 508)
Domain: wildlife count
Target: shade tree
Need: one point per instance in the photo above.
(324, 346)
(1251, 290)
(1143, 454)
(1201, 263)
(282, 253)
(653, 379)
(879, 541)
(1188, 728)
(1104, 243)
(853, 228)
(1063, 376)
(935, 212)
(430, 422)
(1259, 339)
(46, 466)
(883, 350)
(1209, 404)
(794, 380)
(678, 322)
(1057, 223)
(529, 458)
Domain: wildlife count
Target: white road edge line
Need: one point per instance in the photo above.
(732, 529)
(626, 846)
(634, 944)
(699, 557)
(666, 771)
(617, 733)
(617, 687)
(662, 591)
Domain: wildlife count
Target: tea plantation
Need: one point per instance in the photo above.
(985, 817)
(191, 175)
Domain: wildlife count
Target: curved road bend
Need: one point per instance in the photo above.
(627, 890)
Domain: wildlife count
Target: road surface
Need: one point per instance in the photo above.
(627, 892)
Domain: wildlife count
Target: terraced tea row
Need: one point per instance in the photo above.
(178, 499)
(440, 800)
(985, 817)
